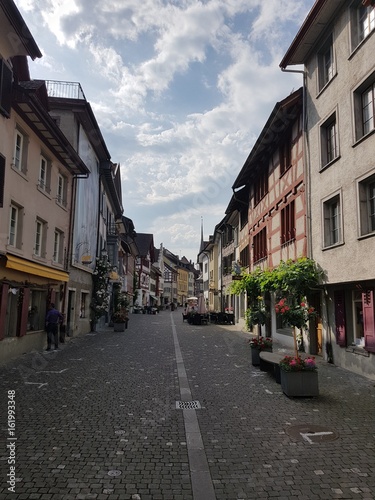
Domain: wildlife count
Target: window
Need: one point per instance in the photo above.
(15, 226)
(228, 235)
(366, 196)
(285, 153)
(58, 243)
(362, 21)
(44, 174)
(332, 222)
(40, 238)
(329, 140)
(366, 20)
(261, 187)
(84, 305)
(288, 223)
(368, 100)
(244, 257)
(364, 106)
(6, 78)
(260, 245)
(61, 190)
(326, 67)
(244, 216)
(20, 151)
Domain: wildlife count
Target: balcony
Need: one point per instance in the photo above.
(65, 90)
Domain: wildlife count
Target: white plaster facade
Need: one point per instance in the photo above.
(336, 45)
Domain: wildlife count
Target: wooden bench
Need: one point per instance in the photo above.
(269, 362)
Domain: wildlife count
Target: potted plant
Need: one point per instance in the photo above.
(258, 344)
(299, 376)
(100, 294)
(120, 320)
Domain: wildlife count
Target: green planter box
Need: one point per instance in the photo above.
(299, 384)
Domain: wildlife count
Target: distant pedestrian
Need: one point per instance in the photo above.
(53, 318)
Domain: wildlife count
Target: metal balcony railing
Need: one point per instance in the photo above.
(66, 90)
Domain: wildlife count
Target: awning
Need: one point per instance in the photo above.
(153, 297)
(29, 267)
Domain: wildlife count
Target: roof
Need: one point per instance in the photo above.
(321, 14)
(145, 244)
(29, 103)
(239, 200)
(18, 39)
(278, 122)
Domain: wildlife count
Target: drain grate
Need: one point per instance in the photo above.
(188, 405)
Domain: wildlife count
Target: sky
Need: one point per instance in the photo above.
(181, 89)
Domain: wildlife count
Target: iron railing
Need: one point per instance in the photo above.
(66, 90)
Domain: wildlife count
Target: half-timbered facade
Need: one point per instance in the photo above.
(273, 175)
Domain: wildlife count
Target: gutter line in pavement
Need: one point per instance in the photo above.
(201, 481)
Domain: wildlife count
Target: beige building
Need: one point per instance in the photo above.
(336, 46)
(37, 166)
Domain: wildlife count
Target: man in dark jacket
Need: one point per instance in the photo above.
(53, 318)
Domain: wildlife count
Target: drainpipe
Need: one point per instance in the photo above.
(306, 162)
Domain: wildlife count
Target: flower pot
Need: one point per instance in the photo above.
(302, 383)
(120, 327)
(255, 360)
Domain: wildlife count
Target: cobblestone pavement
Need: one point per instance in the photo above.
(98, 420)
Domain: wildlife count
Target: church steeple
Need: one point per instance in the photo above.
(202, 242)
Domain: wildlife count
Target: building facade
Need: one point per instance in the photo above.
(336, 45)
(273, 176)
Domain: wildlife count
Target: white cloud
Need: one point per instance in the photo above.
(133, 58)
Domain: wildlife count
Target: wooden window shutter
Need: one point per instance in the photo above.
(6, 78)
(339, 298)
(368, 319)
(2, 180)
(3, 308)
(23, 311)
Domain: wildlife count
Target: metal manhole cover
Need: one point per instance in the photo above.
(312, 434)
(188, 405)
(114, 473)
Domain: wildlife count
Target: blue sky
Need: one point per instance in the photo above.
(181, 90)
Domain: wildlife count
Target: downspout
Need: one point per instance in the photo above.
(306, 158)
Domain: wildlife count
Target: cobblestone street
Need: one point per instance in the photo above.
(168, 410)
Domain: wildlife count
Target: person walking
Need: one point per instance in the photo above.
(53, 318)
